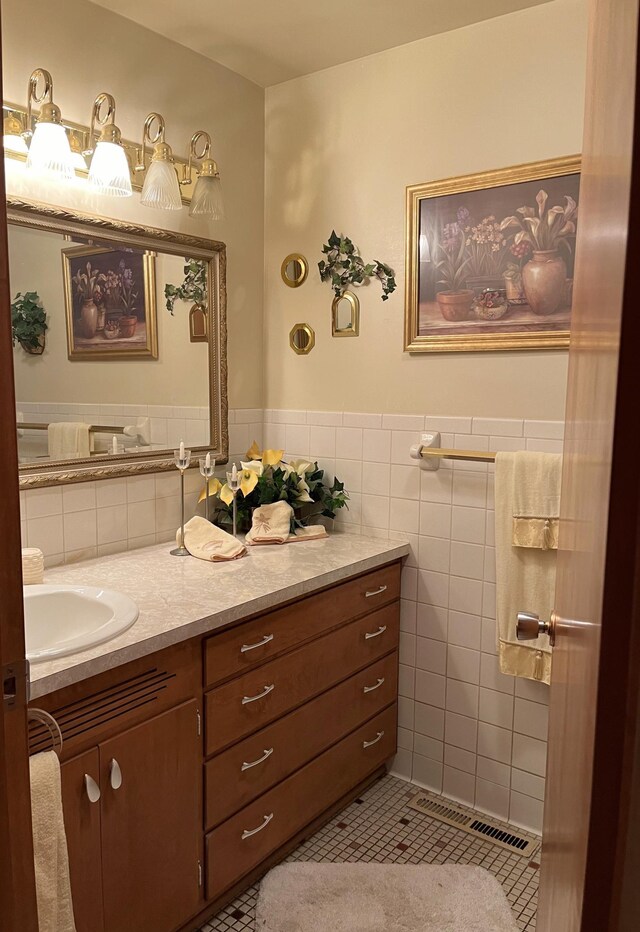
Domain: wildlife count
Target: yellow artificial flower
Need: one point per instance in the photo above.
(214, 488)
(226, 495)
(254, 452)
(301, 467)
(303, 492)
(255, 466)
(248, 481)
(272, 457)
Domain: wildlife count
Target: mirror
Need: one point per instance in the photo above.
(302, 339)
(294, 270)
(132, 359)
(345, 315)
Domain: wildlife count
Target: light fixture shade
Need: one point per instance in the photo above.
(161, 188)
(207, 198)
(50, 153)
(13, 143)
(109, 172)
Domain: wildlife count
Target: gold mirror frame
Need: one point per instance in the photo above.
(311, 334)
(56, 220)
(294, 282)
(354, 303)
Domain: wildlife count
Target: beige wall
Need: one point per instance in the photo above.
(179, 376)
(342, 144)
(88, 50)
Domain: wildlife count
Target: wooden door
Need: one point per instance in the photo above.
(17, 884)
(152, 823)
(594, 692)
(82, 824)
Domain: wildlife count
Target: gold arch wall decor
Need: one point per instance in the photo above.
(351, 326)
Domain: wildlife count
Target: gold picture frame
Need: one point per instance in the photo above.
(106, 331)
(517, 327)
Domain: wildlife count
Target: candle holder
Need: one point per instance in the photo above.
(182, 462)
(206, 472)
(234, 484)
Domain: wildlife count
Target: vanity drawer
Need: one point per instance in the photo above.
(242, 842)
(241, 648)
(250, 702)
(245, 771)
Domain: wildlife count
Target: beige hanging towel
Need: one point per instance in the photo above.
(527, 509)
(68, 440)
(53, 887)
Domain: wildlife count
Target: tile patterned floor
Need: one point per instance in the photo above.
(380, 827)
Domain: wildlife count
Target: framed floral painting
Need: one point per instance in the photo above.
(110, 301)
(490, 259)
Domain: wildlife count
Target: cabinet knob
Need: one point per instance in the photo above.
(115, 774)
(92, 788)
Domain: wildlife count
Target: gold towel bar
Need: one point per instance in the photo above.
(474, 456)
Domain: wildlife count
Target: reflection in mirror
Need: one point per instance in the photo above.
(302, 339)
(294, 270)
(345, 315)
(126, 359)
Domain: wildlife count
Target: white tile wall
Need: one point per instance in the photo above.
(466, 730)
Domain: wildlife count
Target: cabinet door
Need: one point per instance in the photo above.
(82, 824)
(152, 823)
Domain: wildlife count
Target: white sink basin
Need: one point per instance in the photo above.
(60, 620)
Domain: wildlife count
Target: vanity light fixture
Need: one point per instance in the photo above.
(161, 188)
(206, 200)
(77, 143)
(49, 150)
(109, 172)
(13, 130)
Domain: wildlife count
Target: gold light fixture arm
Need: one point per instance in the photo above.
(107, 119)
(156, 140)
(49, 113)
(194, 156)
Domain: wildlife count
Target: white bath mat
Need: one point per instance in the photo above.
(310, 897)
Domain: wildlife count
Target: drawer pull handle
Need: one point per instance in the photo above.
(265, 640)
(92, 788)
(370, 689)
(375, 634)
(254, 831)
(265, 692)
(379, 591)
(261, 760)
(368, 744)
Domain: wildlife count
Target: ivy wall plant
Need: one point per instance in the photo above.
(344, 266)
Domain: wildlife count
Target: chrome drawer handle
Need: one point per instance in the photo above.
(261, 760)
(370, 689)
(265, 640)
(375, 634)
(265, 692)
(93, 790)
(254, 831)
(368, 744)
(379, 591)
(115, 774)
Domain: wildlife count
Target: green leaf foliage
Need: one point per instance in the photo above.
(343, 266)
(193, 287)
(28, 320)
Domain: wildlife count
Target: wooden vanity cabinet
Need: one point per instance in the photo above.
(187, 773)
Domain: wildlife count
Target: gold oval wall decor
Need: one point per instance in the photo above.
(294, 270)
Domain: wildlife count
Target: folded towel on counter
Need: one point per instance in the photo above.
(527, 490)
(272, 525)
(53, 887)
(208, 542)
(68, 440)
(536, 500)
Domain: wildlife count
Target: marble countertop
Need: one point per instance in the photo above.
(181, 598)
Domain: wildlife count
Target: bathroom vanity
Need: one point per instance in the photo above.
(248, 704)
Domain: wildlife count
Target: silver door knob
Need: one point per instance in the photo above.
(529, 627)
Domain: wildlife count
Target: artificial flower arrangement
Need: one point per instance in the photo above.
(266, 478)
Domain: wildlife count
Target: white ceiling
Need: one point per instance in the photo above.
(269, 41)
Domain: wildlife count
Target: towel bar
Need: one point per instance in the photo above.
(429, 452)
(39, 715)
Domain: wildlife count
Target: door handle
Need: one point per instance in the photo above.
(373, 592)
(370, 689)
(265, 640)
(529, 626)
(378, 737)
(92, 788)
(115, 774)
(375, 634)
